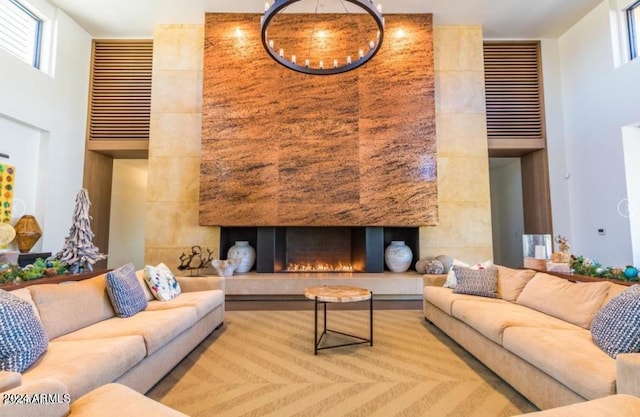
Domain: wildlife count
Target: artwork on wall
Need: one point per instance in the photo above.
(7, 182)
(280, 148)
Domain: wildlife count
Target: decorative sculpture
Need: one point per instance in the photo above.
(79, 251)
(195, 260)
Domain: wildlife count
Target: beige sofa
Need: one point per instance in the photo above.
(550, 360)
(89, 346)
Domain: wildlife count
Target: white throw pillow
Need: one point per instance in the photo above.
(451, 281)
(161, 282)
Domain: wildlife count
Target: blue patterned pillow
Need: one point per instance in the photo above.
(616, 327)
(481, 282)
(125, 291)
(22, 337)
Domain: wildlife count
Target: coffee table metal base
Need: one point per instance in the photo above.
(325, 330)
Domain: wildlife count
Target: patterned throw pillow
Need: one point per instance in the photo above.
(451, 280)
(482, 282)
(125, 291)
(22, 337)
(616, 327)
(161, 282)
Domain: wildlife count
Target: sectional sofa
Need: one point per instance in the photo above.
(89, 346)
(536, 335)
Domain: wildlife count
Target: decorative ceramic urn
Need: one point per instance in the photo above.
(243, 251)
(398, 256)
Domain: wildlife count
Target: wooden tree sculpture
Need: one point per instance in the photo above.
(79, 251)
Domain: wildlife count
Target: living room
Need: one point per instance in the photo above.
(590, 97)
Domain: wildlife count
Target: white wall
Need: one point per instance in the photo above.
(55, 106)
(631, 207)
(507, 213)
(598, 100)
(128, 211)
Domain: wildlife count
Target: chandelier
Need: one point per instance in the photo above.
(307, 55)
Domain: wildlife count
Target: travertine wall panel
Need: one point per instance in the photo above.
(174, 147)
(284, 148)
(464, 229)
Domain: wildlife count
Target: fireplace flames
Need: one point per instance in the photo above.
(318, 267)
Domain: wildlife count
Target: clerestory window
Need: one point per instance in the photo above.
(20, 31)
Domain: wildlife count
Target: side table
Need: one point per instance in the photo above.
(338, 294)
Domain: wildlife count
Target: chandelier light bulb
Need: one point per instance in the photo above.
(281, 53)
(293, 59)
(348, 59)
(360, 53)
(307, 63)
(271, 43)
(379, 7)
(321, 65)
(266, 6)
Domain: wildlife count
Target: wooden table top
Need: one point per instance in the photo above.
(337, 293)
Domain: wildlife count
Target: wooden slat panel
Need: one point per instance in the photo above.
(513, 88)
(120, 97)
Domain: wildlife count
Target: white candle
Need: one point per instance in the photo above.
(271, 43)
(360, 53)
(321, 65)
(293, 59)
(348, 59)
(379, 7)
(281, 53)
(266, 6)
(306, 63)
(335, 63)
(540, 252)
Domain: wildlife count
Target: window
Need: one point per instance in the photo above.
(20, 31)
(633, 25)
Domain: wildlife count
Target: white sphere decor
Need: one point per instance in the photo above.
(398, 256)
(245, 253)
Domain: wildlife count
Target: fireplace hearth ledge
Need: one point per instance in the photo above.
(407, 285)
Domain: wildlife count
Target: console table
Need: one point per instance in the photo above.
(55, 279)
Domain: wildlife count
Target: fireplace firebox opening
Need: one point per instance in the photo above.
(319, 249)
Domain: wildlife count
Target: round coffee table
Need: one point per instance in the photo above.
(338, 294)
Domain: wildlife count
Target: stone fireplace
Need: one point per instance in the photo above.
(319, 249)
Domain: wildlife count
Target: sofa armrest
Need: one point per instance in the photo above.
(628, 374)
(9, 380)
(43, 398)
(434, 280)
(191, 284)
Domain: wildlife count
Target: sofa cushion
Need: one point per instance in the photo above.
(616, 327)
(203, 301)
(491, 319)
(125, 291)
(70, 306)
(83, 365)
(570, 356)
(22, 337)
(481, 282)
(143, 283)
(161, 282)
(445, 298)
(156, 327)
(576, 303)
(24, 294)
(122, 401)
(512, 281)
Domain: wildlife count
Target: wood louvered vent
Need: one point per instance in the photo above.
(120, 97)
(513, 89)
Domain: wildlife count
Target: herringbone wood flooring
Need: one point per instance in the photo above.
(261, 363)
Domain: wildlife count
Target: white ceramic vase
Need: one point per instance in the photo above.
(398, 256)
(243, 251)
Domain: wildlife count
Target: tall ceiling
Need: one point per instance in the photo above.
(506, 19)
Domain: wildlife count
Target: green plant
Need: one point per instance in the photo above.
(586, 266)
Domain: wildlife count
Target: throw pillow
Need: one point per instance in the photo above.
(616, 327)
(161, 282)
(22, 337)
(576, 303)
(482, 282)
(125, 291)
(451, 281)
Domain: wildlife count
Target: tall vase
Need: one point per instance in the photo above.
(398, 256)
(243, 251)
(27, 232)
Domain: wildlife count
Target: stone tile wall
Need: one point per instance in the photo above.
(464, 228)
